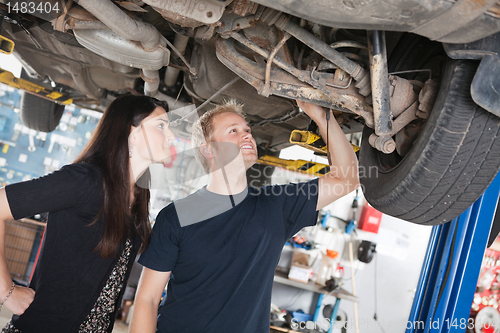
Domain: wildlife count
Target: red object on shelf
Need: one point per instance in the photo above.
(370, 219)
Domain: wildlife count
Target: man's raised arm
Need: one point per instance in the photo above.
(343, 177)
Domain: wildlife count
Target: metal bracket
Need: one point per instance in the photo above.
(232, 22)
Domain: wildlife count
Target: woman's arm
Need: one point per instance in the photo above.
(21, 297)
(147, 300)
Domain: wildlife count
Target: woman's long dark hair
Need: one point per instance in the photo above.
(108, 149)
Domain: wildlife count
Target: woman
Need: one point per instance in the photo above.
(97, 223)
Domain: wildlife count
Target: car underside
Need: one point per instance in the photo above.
(418, 79)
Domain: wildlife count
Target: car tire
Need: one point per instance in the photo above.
(451, 163)
(40, 114)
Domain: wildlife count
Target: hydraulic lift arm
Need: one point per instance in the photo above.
(9, 79)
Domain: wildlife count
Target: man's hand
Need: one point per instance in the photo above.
(343, 177)
(20, 299)
(315, 112)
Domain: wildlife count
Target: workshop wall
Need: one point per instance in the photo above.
(26, 153)
(293, 299)
(400, 250)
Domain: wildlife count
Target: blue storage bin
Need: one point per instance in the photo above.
(301, 316)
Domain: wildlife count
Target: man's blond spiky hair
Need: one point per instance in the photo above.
(203, 128)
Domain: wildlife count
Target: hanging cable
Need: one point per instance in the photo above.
(178, 121)
(375, 296)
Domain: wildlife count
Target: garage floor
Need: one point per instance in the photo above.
(5, 315)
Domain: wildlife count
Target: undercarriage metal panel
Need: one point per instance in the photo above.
(439, 20)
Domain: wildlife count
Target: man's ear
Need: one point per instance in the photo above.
(206, 151)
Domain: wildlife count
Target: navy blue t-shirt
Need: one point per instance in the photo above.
(223, 267)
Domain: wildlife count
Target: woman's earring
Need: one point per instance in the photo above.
(130, 153)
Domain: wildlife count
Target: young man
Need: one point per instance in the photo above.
(221, 263)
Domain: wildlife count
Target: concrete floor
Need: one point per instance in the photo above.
(5, 315)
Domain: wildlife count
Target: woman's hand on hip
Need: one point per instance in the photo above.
(20, 299)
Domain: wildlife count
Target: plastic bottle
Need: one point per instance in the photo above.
(327, 267)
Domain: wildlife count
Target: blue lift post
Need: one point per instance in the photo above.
(452, 263)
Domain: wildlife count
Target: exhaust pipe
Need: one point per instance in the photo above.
(120, 45)
(114, 18)
(180, 43)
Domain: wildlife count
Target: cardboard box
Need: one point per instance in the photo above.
(300, 273)
(300, 258)
(300, 270)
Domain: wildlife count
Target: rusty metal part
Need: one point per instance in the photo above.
(267, 37)
(494, 10)
(79, 18)
(267, 85)
(410, 121)
(404, 118)
(340, 75)
(232, 22)
(111, 15)
(303, 76)
(384, 144)
(363, 83)
(295, 86)
(71, 24)
(326, 65)
(59, 23)
(427, 97)
(270, 16)
(179, 20)
(243, 7)
(204, 33)
(380, 84)
(190, 13)
(405, 138)
(264, 36)
(402, 94)
(359, 74)
(348, 43)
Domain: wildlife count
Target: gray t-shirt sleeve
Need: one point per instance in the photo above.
(163, 249)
